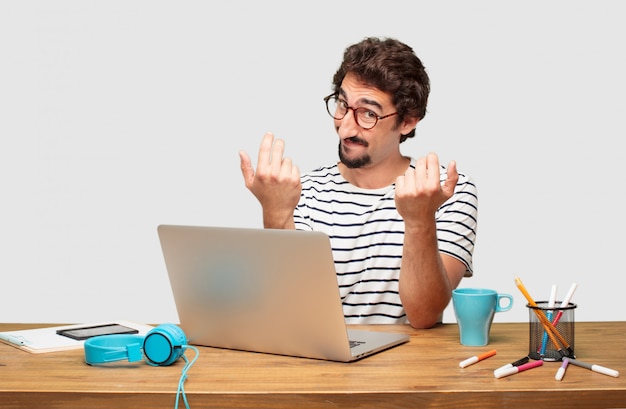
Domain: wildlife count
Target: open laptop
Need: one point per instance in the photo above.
(262, 290)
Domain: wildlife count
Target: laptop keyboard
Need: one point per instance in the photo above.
(356, 343)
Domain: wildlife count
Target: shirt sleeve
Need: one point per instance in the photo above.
(457, 223)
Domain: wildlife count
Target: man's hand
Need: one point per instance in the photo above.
(276, 182)
(419, 192)
(426, 277)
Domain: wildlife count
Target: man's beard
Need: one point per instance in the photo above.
(356, 162)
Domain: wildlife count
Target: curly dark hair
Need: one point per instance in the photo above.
(392, 67)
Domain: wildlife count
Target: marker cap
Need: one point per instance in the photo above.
(501, 373)
(605, 371)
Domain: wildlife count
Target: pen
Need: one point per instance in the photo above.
(512, 364)
(16, 340)
(474, 359)
(565, 303)
(551, 302)
(596, 368)
(547, 325)
(516, 369)
(561, 371)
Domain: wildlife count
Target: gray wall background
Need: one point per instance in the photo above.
(117, 116)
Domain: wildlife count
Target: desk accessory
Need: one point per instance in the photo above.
(86, 332)
(551, 303)
(539, 322)
(474, 309)
(472, 360)
(565, 303)
(519, 362)
(561, 371)
(162, 346)
(565, 330)
(515, 369)
(46, 339)
(596, 368)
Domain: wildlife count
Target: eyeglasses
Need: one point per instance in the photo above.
(365, 118)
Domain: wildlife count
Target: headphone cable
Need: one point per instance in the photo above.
(183, 376)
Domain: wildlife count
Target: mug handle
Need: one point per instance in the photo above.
(508, 306)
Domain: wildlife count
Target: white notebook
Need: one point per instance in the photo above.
(41, 340)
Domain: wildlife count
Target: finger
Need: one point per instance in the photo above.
(409, 180)
(421, 170)
(265, 150)
(295, 173)
(451, 179)
(432, 167)
(286, 168)
(290, 172)
(246, 168)
(276, 161)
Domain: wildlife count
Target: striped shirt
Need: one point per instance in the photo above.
(367, 232)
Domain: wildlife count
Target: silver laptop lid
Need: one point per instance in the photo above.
(261, 290)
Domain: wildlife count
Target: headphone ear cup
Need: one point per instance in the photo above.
(164, 344)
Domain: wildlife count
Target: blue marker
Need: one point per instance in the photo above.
(551, 304)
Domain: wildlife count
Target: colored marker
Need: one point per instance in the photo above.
(547, 325)
(512, 364)
(474, 359)
(596, 368)
(551, 302)
(542, 318)
(565, 303)
(516, 369)
(561, 371)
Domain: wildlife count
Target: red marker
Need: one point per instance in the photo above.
(474, 359)
(510, 371)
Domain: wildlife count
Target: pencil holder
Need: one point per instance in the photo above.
(551, 331)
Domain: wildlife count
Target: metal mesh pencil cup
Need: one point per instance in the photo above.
(551, 345)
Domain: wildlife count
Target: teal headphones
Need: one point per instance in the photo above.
(162, 346)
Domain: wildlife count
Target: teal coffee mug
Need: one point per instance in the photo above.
(474, 309)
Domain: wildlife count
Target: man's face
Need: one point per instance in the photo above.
(360, 147)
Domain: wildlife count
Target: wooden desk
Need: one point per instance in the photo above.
(423, 373)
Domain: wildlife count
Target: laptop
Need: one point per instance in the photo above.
(263, 290)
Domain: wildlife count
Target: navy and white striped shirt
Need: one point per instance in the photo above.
(367, 232)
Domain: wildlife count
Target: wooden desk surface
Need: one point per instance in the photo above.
(422, 373)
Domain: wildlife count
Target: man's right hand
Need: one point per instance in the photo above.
(276, 182)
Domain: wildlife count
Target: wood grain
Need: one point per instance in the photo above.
(424, 373)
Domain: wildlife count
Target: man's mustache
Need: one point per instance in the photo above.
(356, 139)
